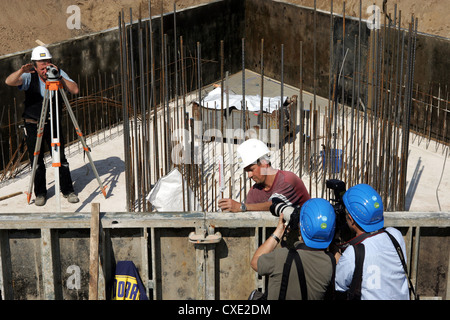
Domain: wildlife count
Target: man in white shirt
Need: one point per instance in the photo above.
(383, 275)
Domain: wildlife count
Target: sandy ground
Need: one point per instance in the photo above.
(25, 21)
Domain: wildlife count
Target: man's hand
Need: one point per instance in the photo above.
(15, 78)
(27, 68)
(229, 205)
(281, 226)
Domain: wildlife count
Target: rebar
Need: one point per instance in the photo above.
(359, 143)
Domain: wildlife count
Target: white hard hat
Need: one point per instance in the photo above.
(250, 151)
(40, 53)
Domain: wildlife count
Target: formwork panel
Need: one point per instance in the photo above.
(41, 263)
(176, 265)
(73, 264)
(433, 262)
(126, 246)
(26, 266)
(235, 276)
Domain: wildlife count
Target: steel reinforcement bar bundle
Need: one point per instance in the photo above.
(363, 141)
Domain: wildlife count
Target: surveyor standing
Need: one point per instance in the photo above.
(31, 79)
(383, 275)
(270, 183)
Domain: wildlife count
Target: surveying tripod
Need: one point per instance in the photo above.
(54, 85)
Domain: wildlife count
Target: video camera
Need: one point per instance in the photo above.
(52, 73)
(343, 232)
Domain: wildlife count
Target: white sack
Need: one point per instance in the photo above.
(167, 194)
(253, 102)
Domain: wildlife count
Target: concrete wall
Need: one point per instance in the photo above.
(172, 267)
(281, 23)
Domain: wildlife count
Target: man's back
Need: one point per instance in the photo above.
(316, 264)
(383, 274)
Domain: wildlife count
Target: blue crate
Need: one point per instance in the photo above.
(335, 156)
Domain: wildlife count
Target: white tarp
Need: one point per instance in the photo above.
(253, 102)
(167, 194)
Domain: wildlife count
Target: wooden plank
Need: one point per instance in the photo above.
(5, 267)
(47, 264)
(93, 250)
(144, 259)
(10, 196)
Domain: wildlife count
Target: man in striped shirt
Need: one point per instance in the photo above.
(269, 182)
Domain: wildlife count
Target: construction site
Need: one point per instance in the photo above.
(168, 93)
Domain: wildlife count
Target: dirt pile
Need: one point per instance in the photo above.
(24, 22)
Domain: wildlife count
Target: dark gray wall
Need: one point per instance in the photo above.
(288, 24)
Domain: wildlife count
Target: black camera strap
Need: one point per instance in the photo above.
(402, 259)
(354, 292)
(358, 239)
(293, 255)
(329, 294)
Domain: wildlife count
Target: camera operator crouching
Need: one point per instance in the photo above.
(305, 271)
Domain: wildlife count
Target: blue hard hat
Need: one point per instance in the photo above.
(317, 223)
(365, 206)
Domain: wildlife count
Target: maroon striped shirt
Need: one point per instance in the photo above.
(287, 186)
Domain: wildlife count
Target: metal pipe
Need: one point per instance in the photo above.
(282, 108)
(301, 133)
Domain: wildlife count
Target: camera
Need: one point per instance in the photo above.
(343, 232)
(290, 214)
(52, 73)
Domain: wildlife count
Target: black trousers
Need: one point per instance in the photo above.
(40, 184)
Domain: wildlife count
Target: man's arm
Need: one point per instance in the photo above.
(71, 86)
(15, 78)
(270, 244)
(234, 206)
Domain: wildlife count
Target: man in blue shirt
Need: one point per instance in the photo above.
(383, 275)
(31, 79)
